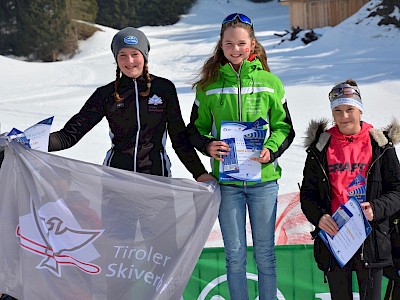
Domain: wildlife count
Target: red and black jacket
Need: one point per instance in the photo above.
(383, 189)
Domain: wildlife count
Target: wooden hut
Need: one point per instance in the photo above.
(309, 14)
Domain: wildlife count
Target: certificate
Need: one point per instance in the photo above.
(358, 188)
(35, 137)
(246, 140)
(353, 230)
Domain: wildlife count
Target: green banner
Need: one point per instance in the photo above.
(298, 276)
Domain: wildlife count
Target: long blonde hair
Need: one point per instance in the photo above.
(210, 70)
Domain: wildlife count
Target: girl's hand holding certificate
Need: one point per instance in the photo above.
(264, 158)
(217, 149)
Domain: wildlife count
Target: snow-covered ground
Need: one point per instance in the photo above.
(356, 48)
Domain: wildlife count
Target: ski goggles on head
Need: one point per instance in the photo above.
(241, 17)
(343, 90)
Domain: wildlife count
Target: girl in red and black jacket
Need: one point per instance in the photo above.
(336, 156)
(140, 109)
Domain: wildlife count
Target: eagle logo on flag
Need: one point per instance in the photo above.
(53, 233)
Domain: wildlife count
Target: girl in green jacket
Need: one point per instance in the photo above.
(241, 120)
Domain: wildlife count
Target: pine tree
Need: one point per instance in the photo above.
(44, 30)
(47, 29)
(136, 13)
(84, 10)
(161, 12)
(116, 13)
(7, 26)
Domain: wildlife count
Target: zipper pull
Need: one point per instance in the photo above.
(396, 225)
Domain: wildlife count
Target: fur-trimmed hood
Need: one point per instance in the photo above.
(319, 127)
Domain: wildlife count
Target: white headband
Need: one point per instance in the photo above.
(346, 101)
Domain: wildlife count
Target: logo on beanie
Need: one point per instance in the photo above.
(131, 40)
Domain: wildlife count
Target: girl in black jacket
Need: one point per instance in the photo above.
(141, 109)
(336, 156)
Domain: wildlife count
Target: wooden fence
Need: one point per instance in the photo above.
(308, 14)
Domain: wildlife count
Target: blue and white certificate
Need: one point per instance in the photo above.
(353, 230)
(358, 188)
(35, 137)
(245, 139)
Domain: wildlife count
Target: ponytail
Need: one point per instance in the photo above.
(146, 76)
(116, 95)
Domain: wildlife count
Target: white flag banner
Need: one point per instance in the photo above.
(74, 230)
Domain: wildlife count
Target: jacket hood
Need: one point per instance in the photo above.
(318, 129)
(361, 135)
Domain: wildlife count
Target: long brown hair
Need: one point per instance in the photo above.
(210, 70)
(145, 74)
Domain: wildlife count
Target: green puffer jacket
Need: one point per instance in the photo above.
(243, 96)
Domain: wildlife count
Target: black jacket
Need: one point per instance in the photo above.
(383, 190)
(138, 127)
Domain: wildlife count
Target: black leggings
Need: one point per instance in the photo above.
(369, 281)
